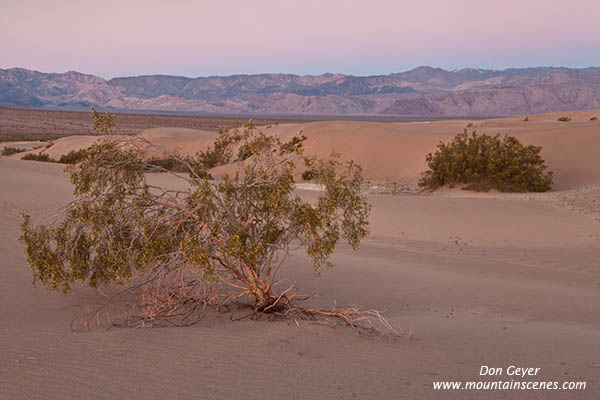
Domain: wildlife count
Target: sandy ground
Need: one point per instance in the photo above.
(182, 140)
(395, 152)
(472, 279)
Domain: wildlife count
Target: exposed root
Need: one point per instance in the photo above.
(365, 321)
(171, 299)
(167, 298)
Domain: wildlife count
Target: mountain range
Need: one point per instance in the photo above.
(423, 91)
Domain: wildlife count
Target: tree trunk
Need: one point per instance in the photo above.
(262, 295)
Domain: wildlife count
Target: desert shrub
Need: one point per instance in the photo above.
(175, 163)
(9, 151)
(470, 124)
(166, 164)
(526, 119)
(209, 243)
(73, 157)
(221, 152)
(308, 175)
(245, 152)
(103, 123)
(38, 157)
(593, 118)
(482, 162)
(565, 119)
(200, 173)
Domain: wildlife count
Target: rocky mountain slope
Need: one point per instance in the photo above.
(423, 91)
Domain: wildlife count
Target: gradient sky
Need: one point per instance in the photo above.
(200, 38)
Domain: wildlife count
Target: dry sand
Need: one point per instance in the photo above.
(476, 280)
(395, 152)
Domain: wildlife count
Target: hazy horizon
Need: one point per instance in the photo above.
(288, 73)
(186, 38)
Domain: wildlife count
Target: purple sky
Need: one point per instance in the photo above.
(198, 38)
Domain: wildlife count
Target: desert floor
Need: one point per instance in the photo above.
(472, 279)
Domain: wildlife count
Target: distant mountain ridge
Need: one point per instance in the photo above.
(423, 91)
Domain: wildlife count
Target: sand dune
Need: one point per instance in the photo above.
(476, 279)
(183, 140)
(395, 152)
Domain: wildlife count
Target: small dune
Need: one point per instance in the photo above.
(395, 152)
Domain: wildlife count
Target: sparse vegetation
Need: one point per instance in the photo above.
(9, 151)
(210, 244)
(526, 119)
(177, 164)
(221, 151)
(73, 157)
(593, 118)
(38, 157)
(166, 164)
(103, 123)
(308, 175)
(31, 125)
(565, 119)
(469, 125)
(482, 162)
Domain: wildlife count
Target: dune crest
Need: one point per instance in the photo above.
(395, 152)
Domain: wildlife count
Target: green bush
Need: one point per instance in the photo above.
(229, 236)
(103, 123)
(73, 157)
(482, 162)
(218, 244)
(308, 175)
(38, 157)
(565, 119)
(220, 153)
(9, 151)
(245, 152)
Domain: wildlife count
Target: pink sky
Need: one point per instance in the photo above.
(198, 38)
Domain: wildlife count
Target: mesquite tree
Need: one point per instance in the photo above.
(233, 233)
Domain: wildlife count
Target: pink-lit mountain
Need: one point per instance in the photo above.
(423, 91)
